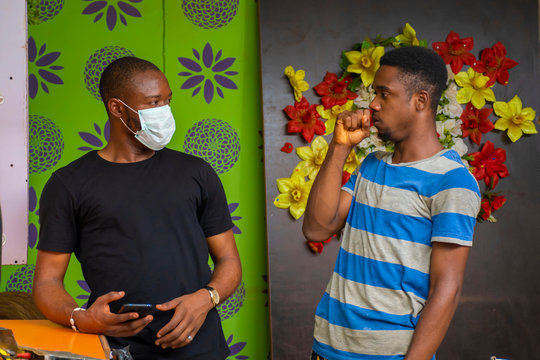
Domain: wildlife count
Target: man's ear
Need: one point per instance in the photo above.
(422, 100)
(116, 108)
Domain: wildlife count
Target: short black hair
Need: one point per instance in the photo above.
(116, 77)
(419, 69)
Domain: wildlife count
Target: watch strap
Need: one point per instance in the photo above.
(214, 296)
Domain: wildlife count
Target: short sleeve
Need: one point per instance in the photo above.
(454, 212)
(350, 184)
(214, 215)
(58, 231)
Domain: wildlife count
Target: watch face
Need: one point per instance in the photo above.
(215, 297)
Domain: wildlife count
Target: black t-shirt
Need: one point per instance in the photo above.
(141, 228)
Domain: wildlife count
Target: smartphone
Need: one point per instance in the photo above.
(141, 309)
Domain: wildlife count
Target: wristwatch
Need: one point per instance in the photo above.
(214, 296)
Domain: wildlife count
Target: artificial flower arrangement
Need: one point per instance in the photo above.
(464, 110)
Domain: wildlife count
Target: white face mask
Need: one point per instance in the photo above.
(157, 126)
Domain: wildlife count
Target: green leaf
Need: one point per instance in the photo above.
(423, 43)
(355, 83)
(344, 62)
(367, 43)
(388, 41)
(441, 117)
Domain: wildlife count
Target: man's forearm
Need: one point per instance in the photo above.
(54, 301)
(226, 276)
(433, 324)
(320, 219)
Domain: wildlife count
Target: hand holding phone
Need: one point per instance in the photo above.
(141, 309)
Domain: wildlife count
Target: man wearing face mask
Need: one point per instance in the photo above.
(142, 220)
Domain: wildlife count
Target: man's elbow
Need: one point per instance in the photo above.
(449, 293)
(314, 233)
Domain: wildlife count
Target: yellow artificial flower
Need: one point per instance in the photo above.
(407, 38)
(352, 162)
(312, 157)
(474, 88)
(296, 79)
(514, 118)
(365, 63)
(331, 114)
(294, 193)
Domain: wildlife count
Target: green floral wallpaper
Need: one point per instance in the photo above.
(210, 54)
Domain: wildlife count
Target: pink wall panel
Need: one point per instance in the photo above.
(13, 131)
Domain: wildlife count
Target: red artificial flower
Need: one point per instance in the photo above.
(485, 209)
(305, 119)
(317, 246)
(333, 91)
(488, 164)
(494, 64)
(490, 203)
(475, 122)
(288, 148)
(345, 177)
(455, 51)
(497, 202)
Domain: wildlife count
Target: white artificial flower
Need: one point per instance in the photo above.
(460, 147)
(372, 143)
(452, 110)
(440, 128)
(365, 96)
(451, 91)
(454, 127)
(450, 72)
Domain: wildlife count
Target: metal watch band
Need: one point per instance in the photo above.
(213, 295)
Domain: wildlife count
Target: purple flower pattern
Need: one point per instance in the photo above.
(210, 14)
(97, 140)
(22, 279)
(232, 208)
(84, 286)
(32, 208)
(97, 62)
(236, 349)
(112, 14)
(215, 141)
(41, 67)
(208, 71)
(45, 144)
(47, 9)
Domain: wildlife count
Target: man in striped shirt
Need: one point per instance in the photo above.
(407, 221)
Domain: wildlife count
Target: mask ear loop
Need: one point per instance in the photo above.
(130, 108)
(134, 133)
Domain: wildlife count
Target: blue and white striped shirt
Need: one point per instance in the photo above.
(381, 279)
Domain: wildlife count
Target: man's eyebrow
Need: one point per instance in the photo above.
(382, 87)
(157, 96)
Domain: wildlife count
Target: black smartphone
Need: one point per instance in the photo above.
(141, 309)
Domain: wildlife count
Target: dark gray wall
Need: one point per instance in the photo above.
(499, 313)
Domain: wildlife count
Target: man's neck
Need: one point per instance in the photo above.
(124, 153)
(422, 143)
